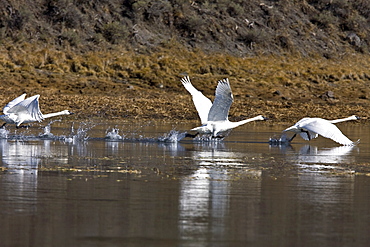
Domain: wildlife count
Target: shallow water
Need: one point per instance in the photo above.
(84, 184)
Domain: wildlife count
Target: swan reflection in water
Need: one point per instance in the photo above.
(314, 158)
(21, 160)
(22, 155)
(335, 155)
(322, 190)
(205, 194)
(20, 177)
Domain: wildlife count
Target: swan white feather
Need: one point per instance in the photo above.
(21, 110)
(310, 128)
(202, 103)
(222, 103)
(13, 103)
(214, 116)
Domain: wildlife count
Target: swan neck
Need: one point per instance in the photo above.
(54, 114)
(236, 124)
(342, 120)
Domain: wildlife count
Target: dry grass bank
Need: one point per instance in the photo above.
(118, 83)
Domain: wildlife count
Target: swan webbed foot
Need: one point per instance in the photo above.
(3, 126)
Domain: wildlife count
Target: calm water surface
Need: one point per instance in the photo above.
(71, 186)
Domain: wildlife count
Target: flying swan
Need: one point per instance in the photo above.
(21, 110)
(214, 117)
(310, 128)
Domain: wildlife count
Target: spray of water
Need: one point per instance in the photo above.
(4, 133)
(208, 138)
(113, 135)
(47, 130)
(79, 134)
(280, 140)
(172, 136)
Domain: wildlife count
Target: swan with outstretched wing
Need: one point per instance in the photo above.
(310, 128)
(214, 116)
(21, 110)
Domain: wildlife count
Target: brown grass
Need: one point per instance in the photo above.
(122, 84)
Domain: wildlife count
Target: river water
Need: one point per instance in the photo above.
(112, 184)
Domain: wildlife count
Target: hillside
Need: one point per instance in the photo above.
(279, 55)
(328, 28)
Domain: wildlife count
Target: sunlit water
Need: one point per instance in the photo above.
(109, 184)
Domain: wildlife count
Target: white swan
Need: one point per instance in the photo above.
(310, 128)
(21, 110)
(214, 117)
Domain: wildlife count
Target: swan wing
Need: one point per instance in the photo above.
(326, 129)
(223, 100)
(13, 103)
(28, 108)
(201, 102)
(308, 136)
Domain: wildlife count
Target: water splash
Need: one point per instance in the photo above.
(113, 135)
(280, 140)
(172, 136)
(4, 133)
(208, 138)
(80, 134)
(47, 130)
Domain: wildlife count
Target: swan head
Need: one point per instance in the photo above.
(260, 117)
(66, 112)
(353, 117)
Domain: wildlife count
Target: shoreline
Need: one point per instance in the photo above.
(283, 89)
(146, 106)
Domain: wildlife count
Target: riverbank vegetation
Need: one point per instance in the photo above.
(284, 59)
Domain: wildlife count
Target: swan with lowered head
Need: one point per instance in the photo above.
(214, 116)
(21, 110)
(310, 128)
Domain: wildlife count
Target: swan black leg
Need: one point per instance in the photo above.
(218, 136)
(292, 137)
(308, 134)
(22, 126)
(3, 126)
(191, 135)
